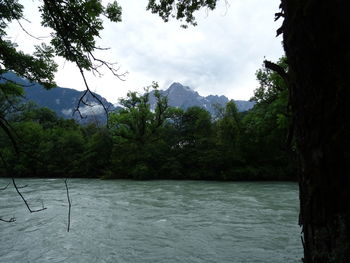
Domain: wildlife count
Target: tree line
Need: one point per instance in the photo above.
(161, 143)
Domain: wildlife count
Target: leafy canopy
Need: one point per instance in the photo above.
(76, 24)
(181, 10)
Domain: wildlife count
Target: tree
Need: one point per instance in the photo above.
(228, 143)
(266, 134)
(136, 121)
(316, 42)
(136, 131)
(75, 25)
(97, 157)
(229, 127)
(194, 143)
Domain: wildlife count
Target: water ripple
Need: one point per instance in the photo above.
(156, 221)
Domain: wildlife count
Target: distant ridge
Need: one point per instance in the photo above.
(63, 101)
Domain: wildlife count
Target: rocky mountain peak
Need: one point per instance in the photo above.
(184, 97)
(180, 90)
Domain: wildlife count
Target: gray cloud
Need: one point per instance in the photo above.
(219, 56)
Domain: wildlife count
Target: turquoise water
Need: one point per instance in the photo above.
(151, 221)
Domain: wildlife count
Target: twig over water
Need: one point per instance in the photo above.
(69, 204)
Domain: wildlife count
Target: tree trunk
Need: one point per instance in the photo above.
(316, 40)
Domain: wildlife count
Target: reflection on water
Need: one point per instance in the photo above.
(151, 221)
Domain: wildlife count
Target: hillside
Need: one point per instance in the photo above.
(63, 101)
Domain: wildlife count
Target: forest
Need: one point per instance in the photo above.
(165, 143)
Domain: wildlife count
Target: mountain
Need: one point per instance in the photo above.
(63, 101)
(185, 97)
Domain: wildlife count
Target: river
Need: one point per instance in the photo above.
(151, 221)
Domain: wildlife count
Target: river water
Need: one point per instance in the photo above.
(151, 221)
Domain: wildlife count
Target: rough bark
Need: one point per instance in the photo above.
(316, 40)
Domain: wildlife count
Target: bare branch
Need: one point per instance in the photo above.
(69, 204)
(24, 200)
(19, 23)
(11, 220)
(102, 48)
(110, 67)
(6, 129)
(4, 188)
(29, 34)
(88, 91)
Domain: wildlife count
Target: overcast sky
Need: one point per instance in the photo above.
(219, 56)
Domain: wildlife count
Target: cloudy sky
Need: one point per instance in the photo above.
(219, 56)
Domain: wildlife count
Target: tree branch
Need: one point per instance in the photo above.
(6, 129)
(4, 188)
(278, 69)
(11, 220)
(19, 23)
(109, 66)
(69, 204)
(24, 200)
(88, 90)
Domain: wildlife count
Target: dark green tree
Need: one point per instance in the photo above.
(136, 131)
(194, 143)
(266, 127)
(48, 146)
(98, 151)
(228, 143)
(228, 127)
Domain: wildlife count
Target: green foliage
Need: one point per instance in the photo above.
(54, 147)
(229, 126)
(38, 67)
(114, 12)
(271, 83)
(75, 25)
(266, 126)
(192, 141)
(136, 129)
(96, 158)
(181, 10)
(9, 98)
(136, 122)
